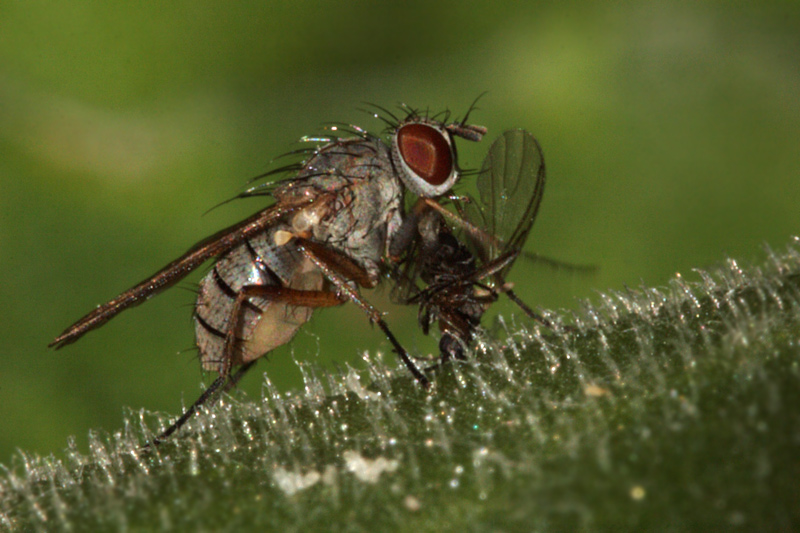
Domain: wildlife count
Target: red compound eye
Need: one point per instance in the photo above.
(426, 151)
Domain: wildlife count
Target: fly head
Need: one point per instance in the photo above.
(424, 153)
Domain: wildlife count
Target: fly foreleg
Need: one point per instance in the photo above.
(340, 271)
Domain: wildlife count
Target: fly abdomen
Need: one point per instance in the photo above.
(260, 324)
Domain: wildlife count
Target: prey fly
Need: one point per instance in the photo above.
(463, 276)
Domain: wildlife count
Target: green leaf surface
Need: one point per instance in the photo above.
(664, 409)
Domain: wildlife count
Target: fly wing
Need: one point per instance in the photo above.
(510, 185)
(168, 276)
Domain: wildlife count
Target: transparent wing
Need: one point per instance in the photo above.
(510, 186)
(168, 276)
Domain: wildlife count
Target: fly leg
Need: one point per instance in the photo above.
(533, 314)
(340, 270)
(277, 294)
(226, 381)
(486, 240)
(220, 385)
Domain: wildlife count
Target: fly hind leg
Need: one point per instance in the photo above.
(275, 294)
(219, 386)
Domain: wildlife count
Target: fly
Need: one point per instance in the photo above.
(327, 234)
(462, 279)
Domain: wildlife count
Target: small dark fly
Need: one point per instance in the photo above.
(454, 294)
(464, 276)
(327, 234)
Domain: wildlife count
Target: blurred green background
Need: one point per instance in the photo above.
(671, 132)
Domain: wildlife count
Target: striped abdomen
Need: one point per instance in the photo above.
(261, 325)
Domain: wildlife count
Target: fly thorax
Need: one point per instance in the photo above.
(354, 225)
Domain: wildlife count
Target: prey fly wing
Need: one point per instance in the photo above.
(510, 186)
